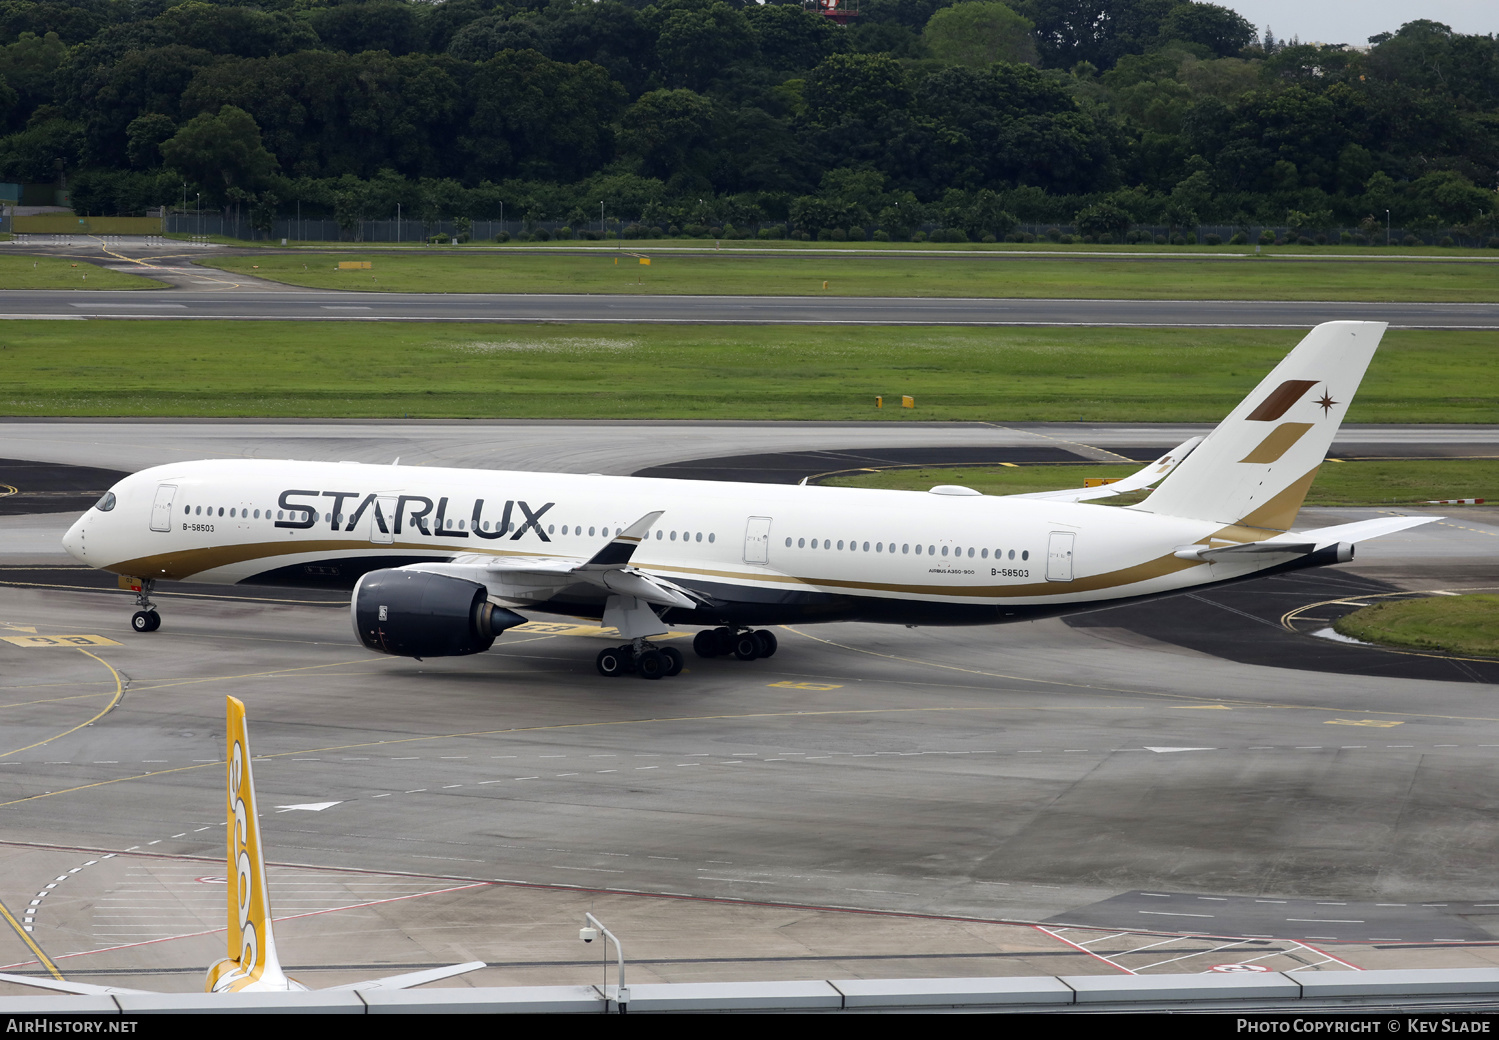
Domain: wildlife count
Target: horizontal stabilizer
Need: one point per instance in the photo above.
(1136, 481)
(411, 978)
(82, 989)
(1304, 543)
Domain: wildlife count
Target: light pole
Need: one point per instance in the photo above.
(1387, 228)
(601, 219)
(398, 223)
(590, 931)
(199, 206)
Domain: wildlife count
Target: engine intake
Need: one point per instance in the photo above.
(417, 614)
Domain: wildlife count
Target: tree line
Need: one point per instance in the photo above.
(972, 115)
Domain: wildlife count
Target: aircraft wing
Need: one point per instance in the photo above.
(1136, 481)
(518, 578)
(82, 989)
(412, 978)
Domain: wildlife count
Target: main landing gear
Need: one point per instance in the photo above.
(642, 658)
(742, 643)
(146, 619)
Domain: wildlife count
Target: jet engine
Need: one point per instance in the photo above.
(417, 614)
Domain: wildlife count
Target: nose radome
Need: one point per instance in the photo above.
(73, 541)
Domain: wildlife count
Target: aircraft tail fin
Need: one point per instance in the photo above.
(252, 961)
(1254, 468)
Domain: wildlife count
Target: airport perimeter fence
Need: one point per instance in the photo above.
(446, 232)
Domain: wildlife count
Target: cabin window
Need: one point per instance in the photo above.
(699, 537)
(984, 555)
(879, 546)
(710, 536)
(460, 525)
(788, 543)
(918, 550)
(590, 532)
(801, 543)
(1025, 554)
(866, 546)
(906, 547)
(674, 536)
(944, 550)
(840, 543)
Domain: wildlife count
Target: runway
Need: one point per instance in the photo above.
(222, 299)
(1163, 789)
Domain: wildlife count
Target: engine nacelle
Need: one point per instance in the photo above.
(417, 614)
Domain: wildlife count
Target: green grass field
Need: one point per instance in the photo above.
(334, 369)
(52, 272)
(1457, 624)
(739, 273)
(1360, 483)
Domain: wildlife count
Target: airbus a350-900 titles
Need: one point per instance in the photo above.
(440, 561)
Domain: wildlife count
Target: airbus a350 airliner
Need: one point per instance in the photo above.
(439, 561)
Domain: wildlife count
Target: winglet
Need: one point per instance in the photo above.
(622, 547)
(252, 948)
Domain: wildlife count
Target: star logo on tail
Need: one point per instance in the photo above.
(1326, 402)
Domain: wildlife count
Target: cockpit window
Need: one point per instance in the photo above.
(106, 503)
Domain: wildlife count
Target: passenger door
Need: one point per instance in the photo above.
(1059, 556)
(757, 540)
(161, 509)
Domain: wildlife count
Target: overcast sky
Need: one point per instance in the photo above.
(1354, 21)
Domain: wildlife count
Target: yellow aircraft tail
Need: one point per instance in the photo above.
(252, 962)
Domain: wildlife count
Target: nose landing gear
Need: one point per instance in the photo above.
(742, 643)
(146, 619)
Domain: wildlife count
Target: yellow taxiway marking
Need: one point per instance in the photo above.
(34, 642)
(790, 685)
(31, 943)
(21, 628)
(119, 693)
(1289, 617)
(1381, 723)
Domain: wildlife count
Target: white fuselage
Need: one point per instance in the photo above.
(781, 553)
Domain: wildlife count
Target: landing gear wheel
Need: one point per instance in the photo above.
(673, 658)
(610, 662)
(145, 621)
(746, 646)
(725, 641)
(651, 665)
(706, 643)
(627, 655)
(767, 643)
